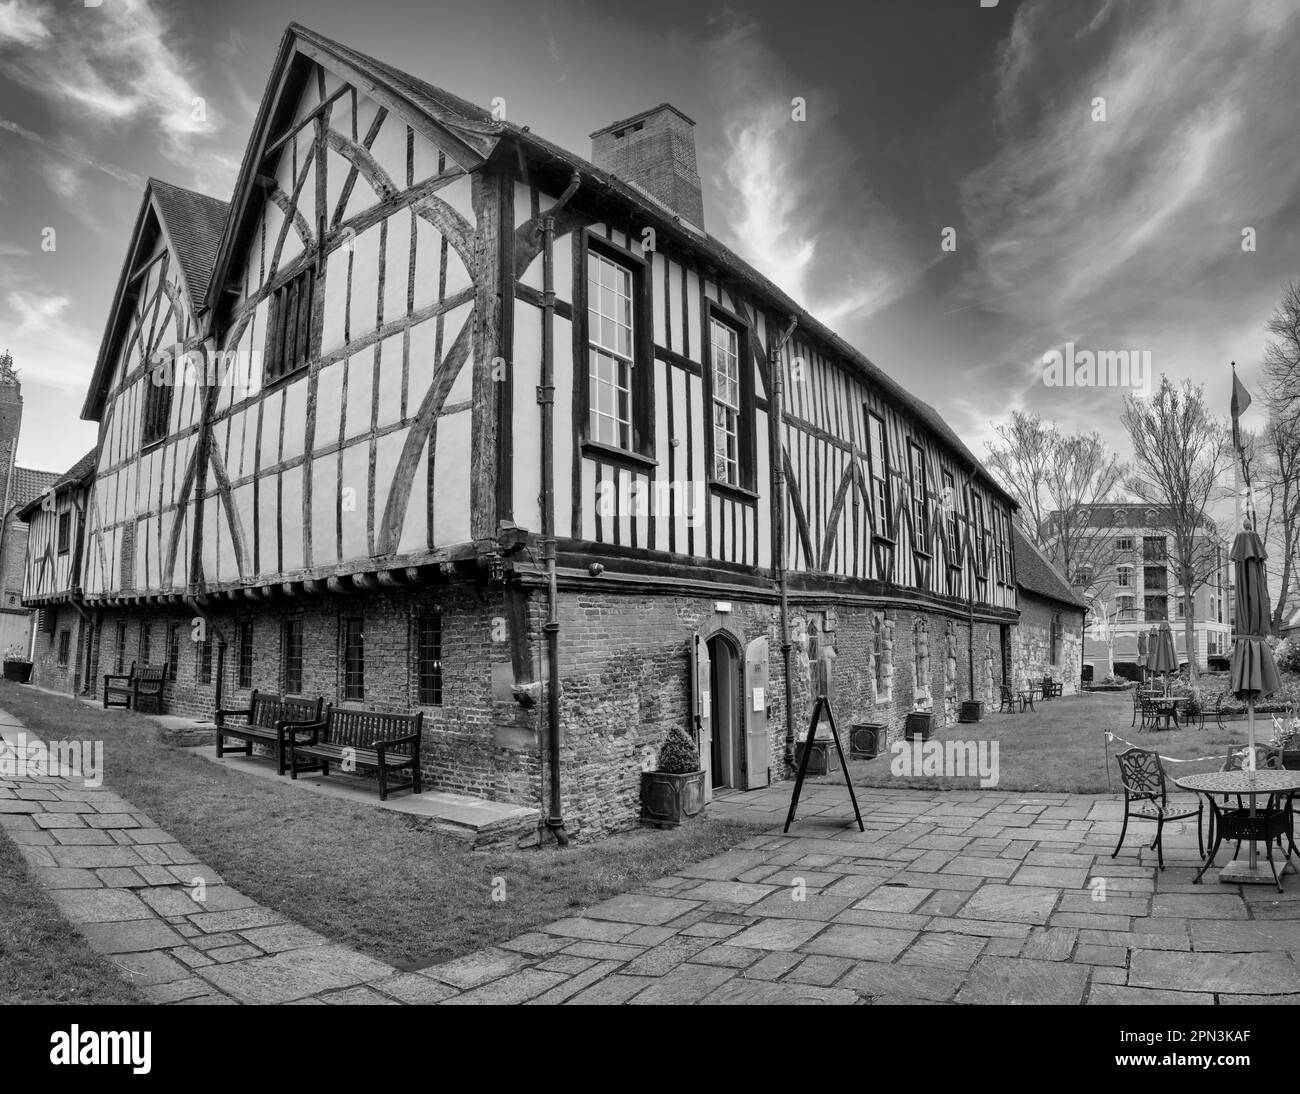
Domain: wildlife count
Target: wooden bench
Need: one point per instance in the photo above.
(1051, 688)
(270, 720)
(143, 684)
(362, 737)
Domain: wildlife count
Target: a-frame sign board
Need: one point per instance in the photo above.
(822, 704)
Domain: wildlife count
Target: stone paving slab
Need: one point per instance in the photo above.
(970, 897)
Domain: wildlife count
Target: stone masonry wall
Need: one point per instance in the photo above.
(1031, 644)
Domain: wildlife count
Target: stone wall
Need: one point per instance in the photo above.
(1031, 658)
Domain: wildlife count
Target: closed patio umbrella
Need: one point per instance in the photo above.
(1253, 673)
(1161, 656)
(1142, 652)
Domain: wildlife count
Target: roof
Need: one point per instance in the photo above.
(638, 116)
(193, 225)
(28, 486)
(1035, 574)
(479, 137)
(1126, 514)
(79, 473)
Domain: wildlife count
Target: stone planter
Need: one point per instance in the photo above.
(920, 724)
(668, 799)
(19, 671)
(972, 710)
(866, 741)
(819, 763)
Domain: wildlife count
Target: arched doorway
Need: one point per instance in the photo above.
(727, 745)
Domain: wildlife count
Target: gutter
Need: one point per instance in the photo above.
(554, 822)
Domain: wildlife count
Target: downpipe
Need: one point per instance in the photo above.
(554, 822)
(778, 481)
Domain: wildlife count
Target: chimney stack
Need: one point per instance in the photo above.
(655, 152)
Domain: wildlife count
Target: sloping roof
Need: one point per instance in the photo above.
(1035, 574)
(480, 135)
(29, 486)
(194, 225)
(79, 472)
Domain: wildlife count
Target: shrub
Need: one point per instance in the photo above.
(1287, 655)
(678, 756)
(16, 652)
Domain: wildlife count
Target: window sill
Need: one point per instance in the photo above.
(740, 493)
(285, 377)
(149, 446)
(598, 450)
(884, 540)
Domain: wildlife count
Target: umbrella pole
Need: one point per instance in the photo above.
(1250, 738)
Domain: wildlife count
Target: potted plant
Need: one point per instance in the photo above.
(675, 790)
(819, 763)
(920, 724)
(972, 710)
(17, 666)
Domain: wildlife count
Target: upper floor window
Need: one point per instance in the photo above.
(610, 344)
(156, 416)
(288, 342)
(980, 531)
(1124, 576)
(1124, 543)
(1154, 549)
(724, 345)
(65, 533)
(920, 505)
(950, 516)
(878, 461)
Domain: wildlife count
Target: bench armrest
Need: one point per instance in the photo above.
(314, 728)
(383, 746)
(123, 676)
(220, 716)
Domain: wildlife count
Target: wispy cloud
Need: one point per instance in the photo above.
(836, 251)
(48, 342)
(71, 150)
(115, 63)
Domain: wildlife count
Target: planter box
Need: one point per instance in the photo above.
(21, 671)
(866, 741)
(667, 799)
(920, 724)
(972, 710)
(819, 763)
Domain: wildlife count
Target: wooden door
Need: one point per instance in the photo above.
(757, 747)
(702, 709)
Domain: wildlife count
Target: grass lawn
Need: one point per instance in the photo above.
(42, 957)
(362, 876)
(1062, 747)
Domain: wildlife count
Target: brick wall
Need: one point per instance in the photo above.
(46, 670)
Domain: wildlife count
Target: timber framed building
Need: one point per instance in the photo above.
(452, 419)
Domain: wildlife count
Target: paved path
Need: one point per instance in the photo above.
(960, 897)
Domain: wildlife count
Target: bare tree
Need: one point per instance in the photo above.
(1181, 455)
(1282, 356)
(1274, 460)
(1058, 478)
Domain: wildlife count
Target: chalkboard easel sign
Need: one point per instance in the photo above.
(822, 704)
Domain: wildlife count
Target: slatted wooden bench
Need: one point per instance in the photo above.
(142, 685)
(367, 738)
(268, 720)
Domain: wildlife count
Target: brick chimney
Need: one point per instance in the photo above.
(655, 151)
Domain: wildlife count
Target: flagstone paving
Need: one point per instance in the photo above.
(965, 897)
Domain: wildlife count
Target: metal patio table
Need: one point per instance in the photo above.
(1251, 825)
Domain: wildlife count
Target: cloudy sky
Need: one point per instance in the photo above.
(1096, 160)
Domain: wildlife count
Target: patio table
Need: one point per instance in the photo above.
(1167, 706)
(1248, 825)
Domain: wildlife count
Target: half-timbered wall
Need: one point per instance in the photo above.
(138, 493)
(661, 495)
(49, 571)
(361, 456)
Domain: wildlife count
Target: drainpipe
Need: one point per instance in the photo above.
(546, 399)
(778, 527)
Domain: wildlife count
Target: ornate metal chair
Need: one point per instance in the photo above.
(1008, 699)
(1143, 777)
